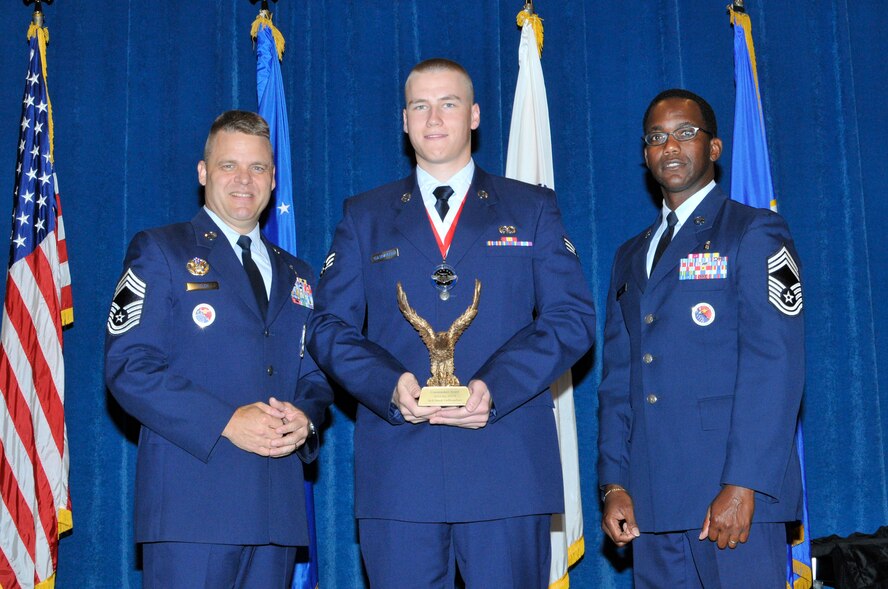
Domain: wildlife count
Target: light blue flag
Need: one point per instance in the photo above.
(751, 181)
(751, 184)
(280, 224)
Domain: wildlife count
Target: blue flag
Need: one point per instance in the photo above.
(280, 224)
(751, 184)
(750, 165)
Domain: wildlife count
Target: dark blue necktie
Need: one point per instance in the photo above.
(442, 193)
(671, 220)
(252, 270)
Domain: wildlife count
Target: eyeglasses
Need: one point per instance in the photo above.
(680, 134)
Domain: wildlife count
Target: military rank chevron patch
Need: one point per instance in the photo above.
(784, 284)
(126, 308)
(570, 246)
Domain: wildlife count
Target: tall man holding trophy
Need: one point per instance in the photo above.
(476, 272)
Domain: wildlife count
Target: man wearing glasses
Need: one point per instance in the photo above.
(703, 374)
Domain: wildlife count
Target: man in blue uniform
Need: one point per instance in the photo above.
(469, 486)
(203, 347)
(703, 374)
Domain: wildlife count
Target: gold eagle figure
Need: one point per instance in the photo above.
(440, 343)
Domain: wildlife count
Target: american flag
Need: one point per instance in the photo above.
(33, 442)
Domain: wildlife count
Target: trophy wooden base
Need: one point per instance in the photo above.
(443, 396)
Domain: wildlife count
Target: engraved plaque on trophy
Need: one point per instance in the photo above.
(443, 388)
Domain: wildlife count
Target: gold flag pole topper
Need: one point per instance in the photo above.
(443, 388)
(38, 10)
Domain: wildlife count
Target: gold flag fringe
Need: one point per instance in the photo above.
(745, 22)
(42, 34)
(536, 22)
(265, 21)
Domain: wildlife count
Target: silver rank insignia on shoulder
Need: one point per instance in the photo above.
(197, 267)
(126, 308)
(570, 246)
(211, 235)
(647, 233)
(784, 284)
(507, 230)
(482, 194)
(328, 263)
(406, 197)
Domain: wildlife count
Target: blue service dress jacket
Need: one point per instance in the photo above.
(186, 345)
(535, 319)
(703, 368)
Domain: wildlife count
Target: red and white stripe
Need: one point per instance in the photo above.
(35, 505)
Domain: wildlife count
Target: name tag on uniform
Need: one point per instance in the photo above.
(705, 266)
(384, 256)
(189, 286)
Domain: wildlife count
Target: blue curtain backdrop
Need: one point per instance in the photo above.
(135, 86)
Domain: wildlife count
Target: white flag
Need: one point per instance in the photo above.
(529, 159)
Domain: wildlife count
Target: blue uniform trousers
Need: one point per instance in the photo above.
(194, 565)
(678, 560)
(510, 553)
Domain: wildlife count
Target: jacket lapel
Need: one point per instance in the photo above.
(283, 278)
(638, 257)
(477, 216)
(223, 260)
(693, 232)
(412, 220)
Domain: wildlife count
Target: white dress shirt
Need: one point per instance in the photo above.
(258, 251)
(683, 211)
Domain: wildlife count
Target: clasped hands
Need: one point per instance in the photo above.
(727, 521)
(474, 415)
(274, 429)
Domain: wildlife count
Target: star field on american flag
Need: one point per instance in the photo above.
(34, 191)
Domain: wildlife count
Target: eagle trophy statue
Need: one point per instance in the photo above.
(441, 344)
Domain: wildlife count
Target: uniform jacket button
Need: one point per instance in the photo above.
(647, 358)
(649, 318)
(652, 398)
(270, 370)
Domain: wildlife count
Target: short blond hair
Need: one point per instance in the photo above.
(438, 64)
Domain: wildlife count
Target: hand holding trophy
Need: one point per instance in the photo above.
(443, 388)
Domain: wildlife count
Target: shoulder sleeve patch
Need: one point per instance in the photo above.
(328, 263)
(570, 246)
(784, 283)
(126, 308)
